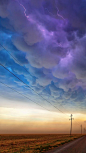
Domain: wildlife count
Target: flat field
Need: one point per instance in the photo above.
(32, 143)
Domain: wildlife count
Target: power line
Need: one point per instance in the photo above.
(29, 87)
(25, 96)
(26, 71)
(22, 67)
(30, 75)
(37, 104)
(15, 59)
(22, 94)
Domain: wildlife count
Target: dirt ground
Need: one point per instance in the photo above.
(33, 143)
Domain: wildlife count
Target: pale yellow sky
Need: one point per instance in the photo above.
(27, 120)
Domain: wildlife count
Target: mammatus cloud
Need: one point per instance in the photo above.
(47, 39)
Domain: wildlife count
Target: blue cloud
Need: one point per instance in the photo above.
(46, 49)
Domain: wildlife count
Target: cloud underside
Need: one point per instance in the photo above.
(46, 44)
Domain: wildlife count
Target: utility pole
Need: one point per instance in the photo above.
(71, 123)
(81, 129)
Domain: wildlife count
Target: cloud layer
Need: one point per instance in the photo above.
(46, 44)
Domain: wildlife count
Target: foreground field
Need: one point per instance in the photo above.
(32, 143)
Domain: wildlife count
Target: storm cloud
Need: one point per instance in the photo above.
(43, 43)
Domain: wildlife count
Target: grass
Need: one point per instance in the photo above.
(33, 143)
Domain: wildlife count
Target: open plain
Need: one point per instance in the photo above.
(33, 143)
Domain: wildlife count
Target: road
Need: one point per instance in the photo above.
(76, 146)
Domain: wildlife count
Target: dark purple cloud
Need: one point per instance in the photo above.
(48, 39)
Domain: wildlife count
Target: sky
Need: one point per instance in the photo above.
(42, 65)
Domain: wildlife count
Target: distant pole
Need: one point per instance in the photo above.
(81, 129)
(71, 123)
